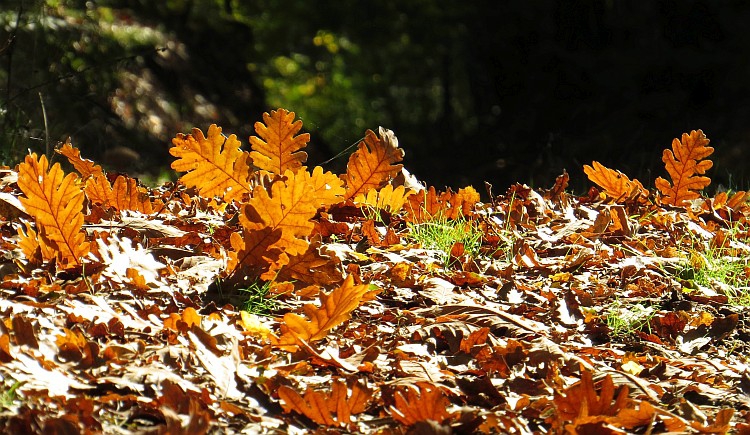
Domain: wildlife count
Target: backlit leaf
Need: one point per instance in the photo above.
(373, 164)
(276, 149)
(55, 201)
(686, 164)
(215, 165)
(615, 184)
(125, 194)
(387, 198)
(84, 167)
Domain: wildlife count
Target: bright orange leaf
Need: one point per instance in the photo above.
(335, 309)
(215, 165)
(84, 167)
(276, 149)
(55, 201)
(125, 194)
(428, 204)
(686, 164)
(289, 207)
(615, 184)
(333, 408)
(420, 403)
(373, 164)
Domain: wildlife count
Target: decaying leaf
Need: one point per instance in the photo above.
(276, 149)
(686, 163)
(333, 408)
(215, 165)
(421, 402)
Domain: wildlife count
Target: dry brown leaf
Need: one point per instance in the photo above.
(421, 402)
(331, 409)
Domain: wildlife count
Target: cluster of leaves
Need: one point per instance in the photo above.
(119, 313)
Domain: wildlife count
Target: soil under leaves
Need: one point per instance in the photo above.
(533, 333)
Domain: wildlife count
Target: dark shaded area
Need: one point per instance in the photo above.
(503, 92)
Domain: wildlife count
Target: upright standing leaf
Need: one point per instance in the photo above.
(84, 167)
(125, 194)
(55, 201)
(685, 164)
(215, 165)
(373, 164)
(387, 198)
(276, 148)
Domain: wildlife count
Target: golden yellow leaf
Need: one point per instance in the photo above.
(215, 165)
(615, 184)
(428, 204)
(387, 198)
(686, 164)
(373, 164)
(327, 188)
(335, 309)
(276, 149)
(55, 201)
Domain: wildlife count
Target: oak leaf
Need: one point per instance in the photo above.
(327, 188)
(581, 401)
(290, 207)
(421, 402)
(215, 165)
(276, 149)
(616, 185)
(428, 204)
(373, 164)
(310, 267)
(84, 167)
(686, 164)
(124, 194)
(333, 408)
(253, 252)
(335, 309)
(55, 201)
(387, 198)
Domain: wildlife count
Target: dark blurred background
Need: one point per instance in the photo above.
(505, 92)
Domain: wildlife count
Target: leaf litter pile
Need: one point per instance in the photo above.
(255, 295)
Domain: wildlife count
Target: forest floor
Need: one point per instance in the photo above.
(169, 310)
